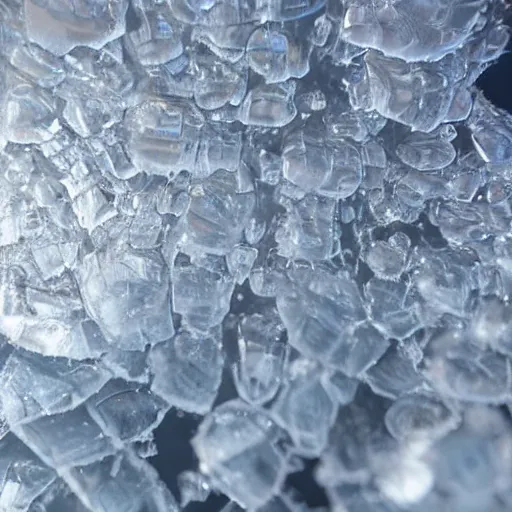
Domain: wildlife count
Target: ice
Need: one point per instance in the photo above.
(254, 243)
(218, 213)
(237, 448)
(201, 295)
(425, 153)
(307, 232)
(240, 261)
(491, 325)
(42, 67)
(34, 386)
(24, 477)
(276, 56)
(258, 370)
(465, 371)
(387, 259)
(394, 307)
(59, 26)
(34, 124)
(386, 86)
(187, 371)
(420, 417)
(126, 411)
(121, 482)
(270, 106)
(305, 408)
(395, 374)
(217, 83)
(193, 487)
(163, 136)
(66, 440)
(317, 308)
(411, 30)
(157, 40)
(361, 347)
(310, 164)
(127, 294)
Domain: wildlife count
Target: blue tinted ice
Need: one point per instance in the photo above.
(282, 226)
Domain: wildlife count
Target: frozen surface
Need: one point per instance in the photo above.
(284, 222)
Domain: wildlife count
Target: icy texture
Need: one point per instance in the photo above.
(286, 222)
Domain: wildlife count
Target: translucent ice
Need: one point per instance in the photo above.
(187, 371)
(59, 26)
(237, 448)
(127, 294)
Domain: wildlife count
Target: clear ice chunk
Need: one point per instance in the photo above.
(307, 231)
(258, 370)
(394, 307)
(412, 30)
(464, 371)
(217, 214)
(193, 487)
(426, 153)
(120, 482)
(58, 25)
(126, 411)
(276, 56)
(237, 448)
(305, 409)
(35, 386)
(30, 115)
(387, 259)
(127, 294)
(201, 295)
(157, 40)
(163, 136)
(24, 477)
(187, 371)
(66, 440)
(317, 308)
(270, 106)
(395, 374)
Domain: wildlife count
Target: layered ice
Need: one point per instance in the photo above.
(286, 222)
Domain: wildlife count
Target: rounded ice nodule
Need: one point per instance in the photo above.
(60, 25)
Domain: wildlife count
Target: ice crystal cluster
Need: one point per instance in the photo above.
(308, 199)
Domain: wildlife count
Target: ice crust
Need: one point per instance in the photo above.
(305, 201)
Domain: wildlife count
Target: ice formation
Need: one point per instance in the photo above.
(308, 200)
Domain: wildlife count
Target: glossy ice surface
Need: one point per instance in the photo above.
(285, 221)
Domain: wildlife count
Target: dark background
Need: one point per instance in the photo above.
(173, 435)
